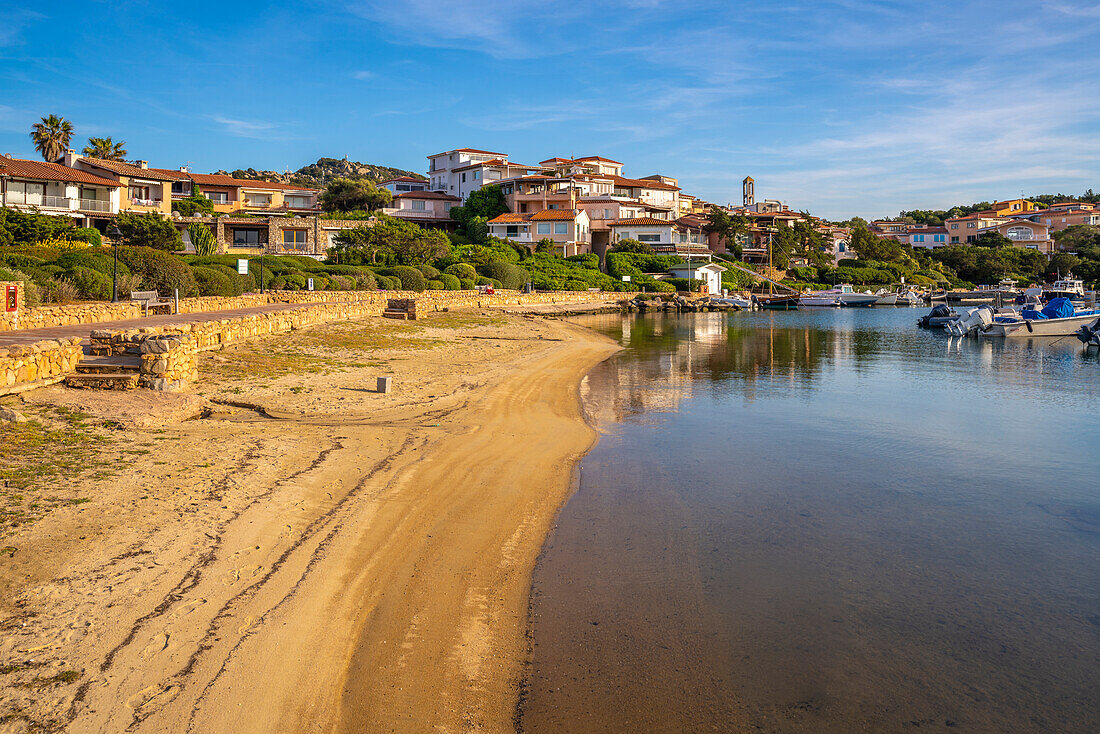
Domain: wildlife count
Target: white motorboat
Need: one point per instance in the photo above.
(886, 298)
(734, 301)
(849, 297)
(819, 300)
(1059, 318)
(909, 298)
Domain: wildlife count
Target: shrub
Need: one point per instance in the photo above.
(467, 284)
(482, 280)
(435, 285)
(19, 260)
(497, 285)
(430, 272)
(90, 235)
(158, 270)
(102, 262)
(295, 281)
(58, 290)
(212, 282)
(513, 277)
(450, 282)
(411, 279)
(277, 283)
(366, 281)
(344, 283)
(149, 230)
(575, 285)
(90, 284)
(462, 271)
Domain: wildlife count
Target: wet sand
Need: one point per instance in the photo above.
(330, 559)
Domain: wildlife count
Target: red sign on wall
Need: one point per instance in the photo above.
(11, 298)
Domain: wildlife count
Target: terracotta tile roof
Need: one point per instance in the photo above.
(278, 185)
(469, 150)
(409, 179)
(426, 195)
(641, 221)
(555, 160)
(491, 162)
(214, 179)
(645, 183)
(510, 218)
(122, 168)
(697, 221)
(929, 230)
(597, 158)
(21, 168)
(555, 215)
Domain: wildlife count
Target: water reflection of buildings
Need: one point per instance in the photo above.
(672, 358)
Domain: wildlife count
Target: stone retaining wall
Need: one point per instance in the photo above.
(97, 312)
(169, 352)
(43, 363)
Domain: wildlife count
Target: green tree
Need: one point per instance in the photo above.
(632, 245)
(733, 229)
(1062, 264)
(345, 195)
(149, 230)
(482, 205)
(105, 148)
(1083, 239)
(995, 240)
(390, 241)
(51, 137)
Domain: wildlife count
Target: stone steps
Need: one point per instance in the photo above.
(103, 381)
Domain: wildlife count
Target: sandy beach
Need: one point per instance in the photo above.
(308, 556)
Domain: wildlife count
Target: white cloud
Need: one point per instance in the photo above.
(363, 75)
(246, 128)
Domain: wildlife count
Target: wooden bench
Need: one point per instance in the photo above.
(400, 308)
(151, 302)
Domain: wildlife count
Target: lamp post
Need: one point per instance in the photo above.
(116, 235)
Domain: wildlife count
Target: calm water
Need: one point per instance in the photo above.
(826, 521)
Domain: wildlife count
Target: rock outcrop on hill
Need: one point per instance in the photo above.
(316, 175)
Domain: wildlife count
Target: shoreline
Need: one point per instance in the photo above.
(370, 565)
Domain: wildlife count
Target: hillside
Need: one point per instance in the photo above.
(316, 175)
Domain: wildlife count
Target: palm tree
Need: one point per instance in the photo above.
(51, 136)
(105, 148)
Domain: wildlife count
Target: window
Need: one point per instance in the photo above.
(492, 175)
(218, 197)
(246, 238)
(139, 192)
(463, 177)
(561, 228)
(294, 239)
(649, 238)
(954, 226)
(971, 225)
(918, 238)
(297, 202)
(258, 200)
(607, 214)
(181, 187)
(938, 238)
(418, 205)
(512, 230)
(1019, 233)
(477, 175)
(87, 194)
(544, 228)
(954, 240)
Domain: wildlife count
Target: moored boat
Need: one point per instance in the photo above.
(940, 315)
(1058, 318)
(886, 298)
(777, 301)
(819, 300)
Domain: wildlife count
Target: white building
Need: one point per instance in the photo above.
(441, 167)
(710, 274)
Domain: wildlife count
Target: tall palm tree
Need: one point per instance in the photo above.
(105, 148)
(51, 136)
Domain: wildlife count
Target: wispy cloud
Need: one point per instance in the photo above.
(245, 128)
(12, 23)
(363, 75)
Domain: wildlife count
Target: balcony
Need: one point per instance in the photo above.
(133, 202)
(38, 200)
(95, 205)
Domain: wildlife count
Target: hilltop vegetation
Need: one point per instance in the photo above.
(936, 217)
(316, 175)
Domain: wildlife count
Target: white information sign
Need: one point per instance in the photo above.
(242, 266)
(311, 284)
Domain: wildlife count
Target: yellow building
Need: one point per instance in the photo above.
(1014, 206)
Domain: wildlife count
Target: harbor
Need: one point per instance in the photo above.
(824, 521)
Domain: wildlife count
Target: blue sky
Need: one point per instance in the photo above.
(840, 108)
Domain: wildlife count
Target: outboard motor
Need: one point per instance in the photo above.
(975, 319)
(1089, 335)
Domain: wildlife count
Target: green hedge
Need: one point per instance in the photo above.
(462, 271)
(91, 284)
(450, 282)
(411, 279)
(211, 282)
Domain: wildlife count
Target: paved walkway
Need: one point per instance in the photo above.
(29, 336)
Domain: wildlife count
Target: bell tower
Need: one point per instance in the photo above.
(748, 191)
